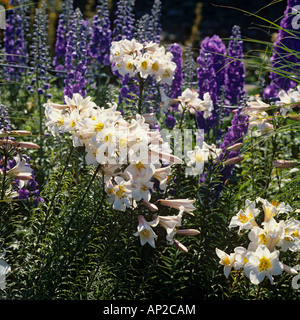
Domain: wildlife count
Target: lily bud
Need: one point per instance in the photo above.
(235, 147)
(233, 160)
(23, 177)
(284, 164)
(294, 117)
(150, 206)
(21, 132)
(289, 269)
(29, 145)
(188, 232)
(180, 246)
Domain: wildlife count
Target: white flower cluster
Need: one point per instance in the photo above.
(130, 154)
(261, 258)
(188, 100)
(148, 59)
(169, 223)
(288, 100)
(201, 155)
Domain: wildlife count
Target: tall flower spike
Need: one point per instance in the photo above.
(235, 134)
(64, 23)
(40, 59)
(285, 57)
(76, 57)
(14, 45)
(217, 49)
(124, 20)
(101, 34)
(235, 71)
(206, 83)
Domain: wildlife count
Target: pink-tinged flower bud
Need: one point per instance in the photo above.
(21, 132)
(289, 269)
(188, 232)
(235, 147)
(150, 206)
(233, 161)
(187, 204)
(294, 117)
(23, 177)
(29, 145)
(284, 164)
(180, 246)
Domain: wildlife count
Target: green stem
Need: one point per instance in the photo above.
(54, 196)
(4, 175)
(182, 117)
(142, 85)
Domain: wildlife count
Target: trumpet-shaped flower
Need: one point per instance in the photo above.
(262, 263)
(170, 224)
(21, 170)
(226, 260)
(245, 218)
(273, 208)
(145, 231)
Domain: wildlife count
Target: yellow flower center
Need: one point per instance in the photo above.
(155, 66)
(140, 166)
(243, 218)
(198, 158)
(108, 137)
(60, 121)
(145, 234)
(129, 65)
(99, 126)
(120, 192)
(110, 191)
(263, 239)
(144, 64)
(166, 74)
(264, 264)
(226, 261)
(73, 124)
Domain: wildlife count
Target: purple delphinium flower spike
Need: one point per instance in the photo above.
(76, 59)
(99, 46)
(40, 59)
(235, 134)
(285, 55)
(206, 83)
(64, 22)
(176, 87)
(124, 20)
(235, 70)
(14, 45)
(217, 49)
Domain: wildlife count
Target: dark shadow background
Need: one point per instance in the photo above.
(179, 16)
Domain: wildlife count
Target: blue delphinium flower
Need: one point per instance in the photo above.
(235, 70)
(215, 46)
(76, 59)
(206, 83)
(14, 45)
(123, 26)
(40, 58)
(285, 55)
(99, 46)
(235, 134)
(64, 22)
